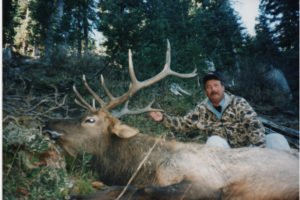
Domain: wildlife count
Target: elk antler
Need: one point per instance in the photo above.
(135, 85)
(126, 111)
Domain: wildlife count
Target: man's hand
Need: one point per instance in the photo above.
(156, 116)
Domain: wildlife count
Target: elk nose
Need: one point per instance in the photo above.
(47, 130)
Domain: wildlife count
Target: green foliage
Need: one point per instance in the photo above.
(47, 25)
(31, 138)
(22, 179)
(9, 10)
(80, 165)
(283, 22)
(83, 186)
(198, 31)
(77, 24)
(45, 183)
(217, 32)
(82, 173)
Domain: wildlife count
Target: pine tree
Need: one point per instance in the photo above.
(79, 20)
(283, 21)
(9, 23)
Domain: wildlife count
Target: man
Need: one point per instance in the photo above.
(227, 120)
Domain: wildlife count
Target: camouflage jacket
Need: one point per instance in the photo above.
(237, 122)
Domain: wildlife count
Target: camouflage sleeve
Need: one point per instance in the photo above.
(182, 124)
(251, 124)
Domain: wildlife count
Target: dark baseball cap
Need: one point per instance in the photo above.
(211, 75)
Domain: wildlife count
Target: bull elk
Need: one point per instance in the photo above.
(172, 170)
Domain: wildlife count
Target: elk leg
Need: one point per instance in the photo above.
(179, 191)
(110, 193)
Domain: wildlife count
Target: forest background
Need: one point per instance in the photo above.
(49, 44)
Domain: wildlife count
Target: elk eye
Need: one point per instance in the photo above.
(90, 120)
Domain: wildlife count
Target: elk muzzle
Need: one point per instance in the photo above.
(54, 135)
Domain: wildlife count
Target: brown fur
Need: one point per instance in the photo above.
(211, 173)
(244, 191)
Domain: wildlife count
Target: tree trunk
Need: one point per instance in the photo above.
(54, 21)
(79, 29)
(79, 47)
(85, 27)
(61, 44)
(35, 50)
(24, 42)
(49, 36)
(85, 34)
(60, 11)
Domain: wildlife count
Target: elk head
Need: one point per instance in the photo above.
(99, 125)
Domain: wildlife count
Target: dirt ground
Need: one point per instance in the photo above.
(290, 120)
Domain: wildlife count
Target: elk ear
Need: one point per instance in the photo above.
(124, 131)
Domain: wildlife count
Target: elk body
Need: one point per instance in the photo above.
(173, 170)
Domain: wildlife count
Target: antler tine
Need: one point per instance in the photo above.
(133, 78)
(126, 111)
(97, 98)
(94, 103)
(170, 71)
(168, 57)
(110, 96)
(165, 72)
(86, 105)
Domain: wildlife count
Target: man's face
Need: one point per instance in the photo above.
(214, 91)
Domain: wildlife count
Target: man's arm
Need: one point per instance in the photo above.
(178, 124)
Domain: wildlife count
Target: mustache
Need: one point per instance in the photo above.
(212, 93)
